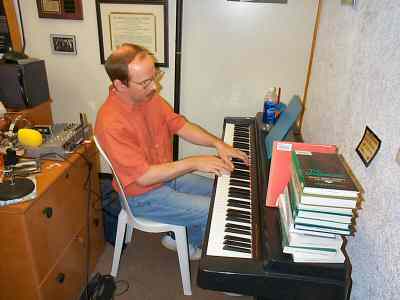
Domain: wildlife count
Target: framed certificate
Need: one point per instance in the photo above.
(368, 146)
(144, 23)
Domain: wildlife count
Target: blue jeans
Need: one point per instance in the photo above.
(183, 201)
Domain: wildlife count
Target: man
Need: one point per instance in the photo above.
(135, 126)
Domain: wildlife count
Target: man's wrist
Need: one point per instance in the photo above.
(218, 143)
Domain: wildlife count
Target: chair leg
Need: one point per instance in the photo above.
(183, 256)
(122, 220)
(129, 232)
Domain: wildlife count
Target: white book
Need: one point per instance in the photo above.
(283, 204)
(339, 258)
(296, 239)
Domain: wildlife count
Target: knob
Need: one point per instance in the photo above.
(60, 278)
(48, 212)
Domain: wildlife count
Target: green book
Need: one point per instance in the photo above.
(329, 214)
(323, 174)
(298, 220)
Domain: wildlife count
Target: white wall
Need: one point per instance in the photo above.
(356, 82)
(232, 52)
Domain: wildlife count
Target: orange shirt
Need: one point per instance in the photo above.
(136, 136)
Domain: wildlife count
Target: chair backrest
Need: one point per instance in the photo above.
(123, 199)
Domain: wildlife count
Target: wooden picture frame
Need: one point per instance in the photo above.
(60, 9)
(133, 21)
(63, 44)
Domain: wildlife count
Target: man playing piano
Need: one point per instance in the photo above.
(135, 126)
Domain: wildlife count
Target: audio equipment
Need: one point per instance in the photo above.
(23, 84)
(60, 139)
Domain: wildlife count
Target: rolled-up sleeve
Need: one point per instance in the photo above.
(174, 121)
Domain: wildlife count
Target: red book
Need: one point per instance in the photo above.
(281, 170)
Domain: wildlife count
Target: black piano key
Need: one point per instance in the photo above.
(237, 226)
(237, 219)
(234, 159)
(240, 134)
(236, 182)
(239, 213)
(237, 238)
(239, 196)
(239, 201)
(238, 205)
(239, 190)
(241, 167)
(238, 231)
(241, 146)
(240, 173)
(241, 139)
(237, 244)
(236, 249)
(240, 164)
(233, 215)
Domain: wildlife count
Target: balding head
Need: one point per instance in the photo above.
(117, 63)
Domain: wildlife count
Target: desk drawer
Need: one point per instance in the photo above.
(55, 219)
(66, 280)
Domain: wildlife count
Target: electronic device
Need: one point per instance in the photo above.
(13, 188)
(23, 84)
(60, 139)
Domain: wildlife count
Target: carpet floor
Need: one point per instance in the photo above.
(152, 272)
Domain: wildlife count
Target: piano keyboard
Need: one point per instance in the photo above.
(231, 229)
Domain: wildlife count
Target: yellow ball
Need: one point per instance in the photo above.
(30, 137)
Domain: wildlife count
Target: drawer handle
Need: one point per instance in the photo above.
(60, 278)
(48, 212)
(66, 175)
(96, 222)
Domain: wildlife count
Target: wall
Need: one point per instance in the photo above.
(232, 52)
(356, 82)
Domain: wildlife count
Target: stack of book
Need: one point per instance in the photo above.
(317, 208)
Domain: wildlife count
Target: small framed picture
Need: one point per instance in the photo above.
(368, 146)
(63, 44)
(60, 9)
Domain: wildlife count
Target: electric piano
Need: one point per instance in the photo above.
(242, 250)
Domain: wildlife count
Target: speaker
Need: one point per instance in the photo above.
(23, 84)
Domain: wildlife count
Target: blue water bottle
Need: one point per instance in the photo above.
(269, 108)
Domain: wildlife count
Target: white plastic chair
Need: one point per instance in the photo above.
(126, 220)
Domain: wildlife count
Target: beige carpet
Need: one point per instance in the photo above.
(153, 272)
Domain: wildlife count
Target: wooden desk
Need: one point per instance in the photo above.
(44, 242)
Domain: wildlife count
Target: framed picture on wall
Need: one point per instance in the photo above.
(133, 21)
(60, 9)
(63, 44)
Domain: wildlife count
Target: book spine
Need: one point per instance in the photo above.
(296, 168)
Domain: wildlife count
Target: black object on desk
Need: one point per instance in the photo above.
(14, 188)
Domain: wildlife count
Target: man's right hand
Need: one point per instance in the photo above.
(210, 164)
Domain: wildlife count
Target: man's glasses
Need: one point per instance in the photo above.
(156, 78)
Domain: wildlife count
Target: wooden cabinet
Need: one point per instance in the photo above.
(44, 242)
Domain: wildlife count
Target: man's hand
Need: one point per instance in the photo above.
(210, 164)
(227, 152)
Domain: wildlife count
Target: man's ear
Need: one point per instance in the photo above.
(119, 85)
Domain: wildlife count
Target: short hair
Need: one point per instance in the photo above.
(117, 63)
